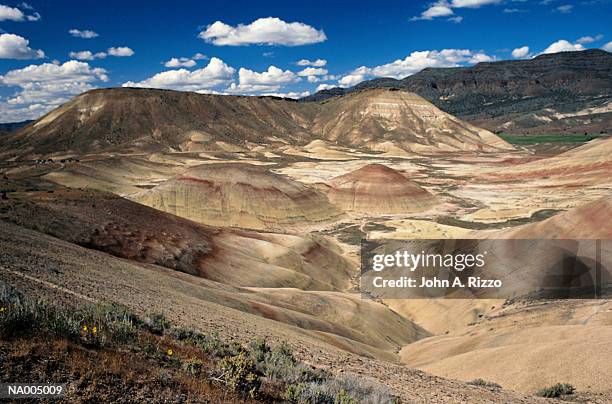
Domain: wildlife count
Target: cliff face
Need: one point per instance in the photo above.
(564, 92)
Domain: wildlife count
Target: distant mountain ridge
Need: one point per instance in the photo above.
(6, 127)
(562, 92)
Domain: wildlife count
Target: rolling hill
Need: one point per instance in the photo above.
(127, 120)
(567, 92)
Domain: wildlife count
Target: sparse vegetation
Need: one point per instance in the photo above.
(201, 366)
(546, 138)
(558, 390)
(484, 383)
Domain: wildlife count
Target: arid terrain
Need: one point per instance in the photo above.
(243, 217)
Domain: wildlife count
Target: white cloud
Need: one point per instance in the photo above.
(414, 63)
(180, 62)
(10, 13)
(566, 8)
(270, 80)
(214, 74)
(445, 8)
(325, 87)
(14, 14)
(185, 62)
(440, 9)
(121, 51)
(45, 86)
(563, 46)
(86, 34)
(263, 31)
(87, 55)
(589, 39)
(34, 17)
(355, 77)
(419, 60)
(473, 3)
(520, 53)
(16, 47)
(314, 63)
(607, 47)
(312, 71)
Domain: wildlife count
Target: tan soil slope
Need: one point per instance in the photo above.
(539, 343)
(378, 189)
(124, 119)
(53, 268)
(240, 195)
(129, 230)
(370, 117)
(585, 165)
(590, 221)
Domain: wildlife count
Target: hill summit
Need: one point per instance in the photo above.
(146, 120)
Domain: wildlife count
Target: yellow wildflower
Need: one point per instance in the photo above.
(170, 352)
(94, 329)
(2, 309)
(85, 328)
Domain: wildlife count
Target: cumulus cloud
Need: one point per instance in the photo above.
(270, 80)
(325, 87)
(87, 55)
(414, 63)
(520, 53)
(121, 51)
(312, 71)
(184, 61)
(355, 77)
(589, 39)
(180, 62)
(445, 8)
(563, 46)
(263, 31)
(607, 47)
(16, 47)
(45, 86)
(10, 13)
(85, 34)
(313, 63)
(316, 74)
(473, 3)
(214, 74)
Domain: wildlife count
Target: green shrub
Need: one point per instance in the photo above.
(156, 323)
(484, 383)
(96, 325)
(342, 390)
(558, 390)
(193, 366)
(240, 374)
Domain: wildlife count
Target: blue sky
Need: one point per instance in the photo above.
(53, 50)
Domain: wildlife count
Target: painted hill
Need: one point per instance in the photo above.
(240, 195)
(560, 92)
(378, 189)
(130, 120)
(369, 118)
